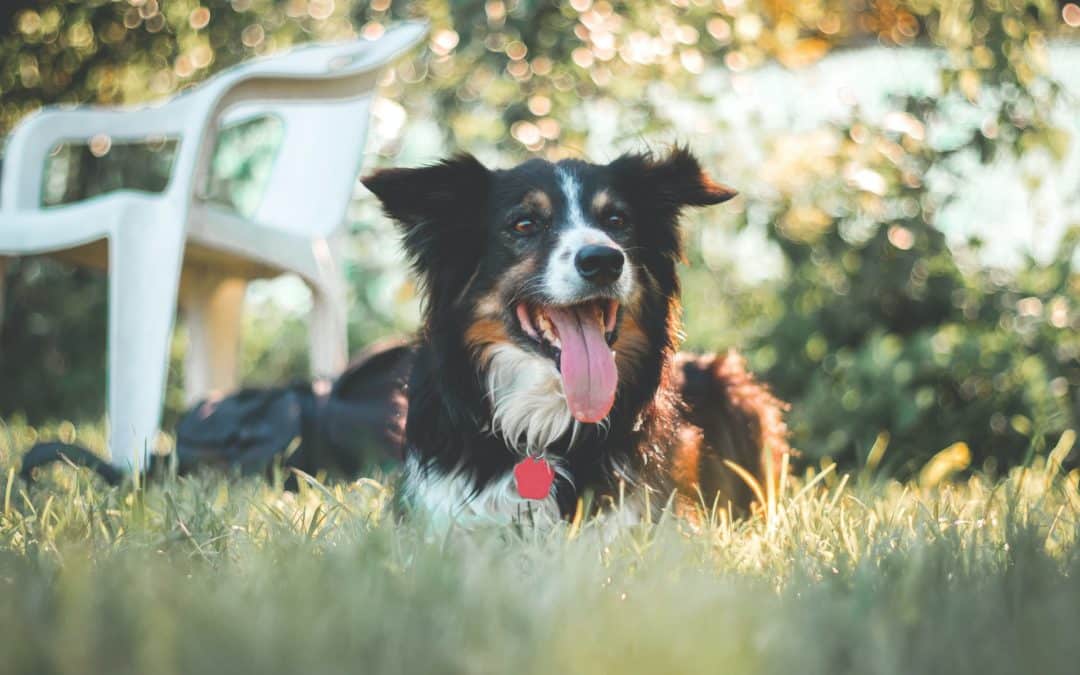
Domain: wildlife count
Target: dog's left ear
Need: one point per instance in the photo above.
(439, 209)
(659, 189)
(673, 182)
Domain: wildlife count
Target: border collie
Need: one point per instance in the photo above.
(546, 375)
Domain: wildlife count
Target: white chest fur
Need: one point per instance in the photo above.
(448, 499)
(529, 412)
(528, 406)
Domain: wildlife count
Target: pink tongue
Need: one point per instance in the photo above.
(588, 365)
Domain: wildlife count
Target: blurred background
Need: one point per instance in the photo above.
(901, 264)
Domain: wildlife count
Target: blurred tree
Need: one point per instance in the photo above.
(880, 329)
(876, 325)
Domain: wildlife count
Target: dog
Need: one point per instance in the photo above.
(546, 374)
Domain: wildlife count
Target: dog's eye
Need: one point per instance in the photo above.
(525, 226)
(616, 221)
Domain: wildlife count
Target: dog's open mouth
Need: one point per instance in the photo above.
(578, 337)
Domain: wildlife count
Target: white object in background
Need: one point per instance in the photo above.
(178, 243)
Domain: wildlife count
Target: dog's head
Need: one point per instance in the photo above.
(571, 264)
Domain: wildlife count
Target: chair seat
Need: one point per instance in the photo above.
(217, 239)
(236, 245)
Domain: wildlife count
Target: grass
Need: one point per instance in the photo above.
(845, 574)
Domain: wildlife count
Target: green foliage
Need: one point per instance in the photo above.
(48, 345)
(882, 328)
(998, 372)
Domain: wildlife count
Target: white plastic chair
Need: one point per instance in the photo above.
(160, 245)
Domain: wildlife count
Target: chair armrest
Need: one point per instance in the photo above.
(36, 136)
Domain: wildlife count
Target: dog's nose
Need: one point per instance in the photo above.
(599, 264)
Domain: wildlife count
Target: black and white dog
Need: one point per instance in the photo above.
(546, 369)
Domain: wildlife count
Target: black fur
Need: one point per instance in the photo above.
(455, 216)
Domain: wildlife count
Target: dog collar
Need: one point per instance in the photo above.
(533, 477)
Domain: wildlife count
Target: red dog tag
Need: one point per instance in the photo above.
(533, 477)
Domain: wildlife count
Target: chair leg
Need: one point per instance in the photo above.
(3, 288)
(212, 308)
(144, 272)
(328, 329)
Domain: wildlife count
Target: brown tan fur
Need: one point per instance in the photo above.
(630, 347)
(539, 200)
(740, 419)
(601, 201)
(488, 329)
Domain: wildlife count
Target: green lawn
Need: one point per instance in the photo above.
(847, 575)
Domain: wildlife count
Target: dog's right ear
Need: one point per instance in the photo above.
(439, 208)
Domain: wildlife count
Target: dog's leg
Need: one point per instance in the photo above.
(740, 421)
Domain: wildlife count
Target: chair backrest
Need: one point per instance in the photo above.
(322, 94)
(316, 166)
(333, 57)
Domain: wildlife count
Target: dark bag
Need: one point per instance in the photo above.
(342, 428)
